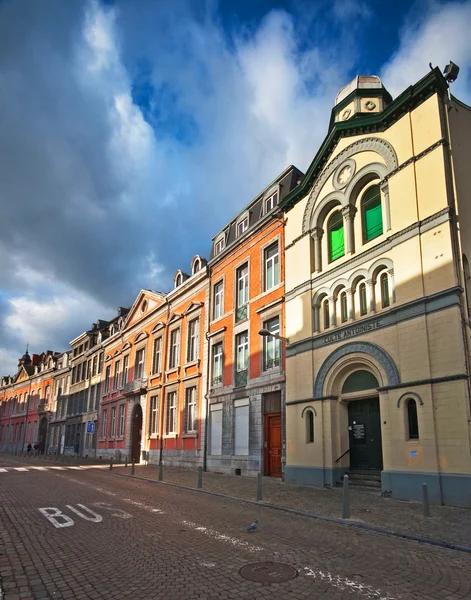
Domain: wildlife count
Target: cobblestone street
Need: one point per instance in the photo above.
(77, 532)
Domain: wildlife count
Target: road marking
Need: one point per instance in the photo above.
(223, 537)
(3, 471)
(79, 468)
(144, 506)
(96, 518)
(20, 469)
(54, 516)
(60, 519)
(343, 583)
(57, 468)
(39, 468)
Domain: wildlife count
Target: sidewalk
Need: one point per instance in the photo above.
(446, 523)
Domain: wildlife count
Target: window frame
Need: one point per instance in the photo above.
(385, 295)
(174, 348)
(412, 424)
(242, 285)
(219, 245)
(153, 416)
(113, 422)
(273, 342)
(104, 423)
(268, 200)
(330, 227)
(157, 355)
(275, 266)
(244, 222)
(245, 352)
(218, 299)
(192, 350)
(363, 299)
(172, 411)
(214, 362)
(140, 365)
(191, 403)
(363, 210)
(107, 378)
(125, 373)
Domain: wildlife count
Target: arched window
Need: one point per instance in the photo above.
(336, 236)
(412, 419)
(363, 302)
(196, 266)
(384, 290)
(178, 280)
(309, 427)
(343, 307)
(371, 215)
(326, 313)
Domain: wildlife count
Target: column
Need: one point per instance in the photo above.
(385, 206)
(351, 313)
(370, 295)
(316, 318)
(333, 316)
(392, 286)
(317, 234)
(348, 213)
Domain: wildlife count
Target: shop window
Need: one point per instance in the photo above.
(336, 239)
(372, 218)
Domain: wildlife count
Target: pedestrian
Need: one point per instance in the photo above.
(36, 448)
(29, 449)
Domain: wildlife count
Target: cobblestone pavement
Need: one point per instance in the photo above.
(101, 536)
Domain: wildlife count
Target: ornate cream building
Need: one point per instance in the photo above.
(377, 239)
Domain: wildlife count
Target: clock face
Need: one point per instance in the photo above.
(345, 174)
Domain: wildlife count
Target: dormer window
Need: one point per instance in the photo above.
(242, 226)
(219, 246)
(271, 202)
(196, 266)
(178, 280)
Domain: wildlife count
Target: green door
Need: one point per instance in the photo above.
(365, 434)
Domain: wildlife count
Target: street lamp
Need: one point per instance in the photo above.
(266, 333)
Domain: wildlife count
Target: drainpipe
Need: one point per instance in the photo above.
(164, 356)
(206, 396)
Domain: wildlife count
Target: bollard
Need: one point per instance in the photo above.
(111, 463)
(200, 477)
(126, 462)
(346, 499)
(133, 467)
(161, 471)
(259, 487)
(425, 502)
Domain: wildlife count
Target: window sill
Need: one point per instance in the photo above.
(191, 363)
(171, 371)
(170, 436)
(153, 436)
(192, 434)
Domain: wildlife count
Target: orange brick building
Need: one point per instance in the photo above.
(26, 403)
(154, 376)
(246, 386)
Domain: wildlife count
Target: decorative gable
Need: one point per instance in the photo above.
(158, 327)
(146, 302)
(174, 317)
(192, 307)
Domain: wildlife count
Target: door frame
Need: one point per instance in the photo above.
(359, 396)
(266, 441)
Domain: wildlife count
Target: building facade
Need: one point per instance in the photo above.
(155, 376)
(377, 246)
(247, 377)
(61, 384)
(26, 403)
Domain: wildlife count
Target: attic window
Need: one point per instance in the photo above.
(219, 246)
(271, 202)
(242, 226)
(196, 266)
(144, 306)
(178, 280)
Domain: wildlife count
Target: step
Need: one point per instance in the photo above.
(370, 483)
(366, 476)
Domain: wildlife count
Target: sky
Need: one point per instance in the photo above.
(131, 131)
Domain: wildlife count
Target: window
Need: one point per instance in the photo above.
(157, 355)
(116, 381)
(107, 379)
(174, 357)
(363, 302)
(242, 343)
(271, 345)
(326, 312)
(100, 363)
(113, 422)
(192, 350)
(103, 423)
(412, 419)
(153, 415)
(309, 427)
(241, 427)
(178, 280)
(242, 277)
(384, 290)
(121, 420)
(343, 307)
(139, 364)
(271, 202)
(217, 363)
(242, 226)
(218, 300)
(216, 429)
(196, 266)
(97, 395)
(219, 246)
(371, 215)
(272, 277)
(125, 369)
(190, 409)
(95, 363)
(172, 412)
(336, 237)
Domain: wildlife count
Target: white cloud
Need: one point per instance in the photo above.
(438, 35)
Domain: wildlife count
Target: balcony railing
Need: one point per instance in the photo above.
(136, 385)
(241, 378)
(217, 379)
(241, 313)
(272, 363)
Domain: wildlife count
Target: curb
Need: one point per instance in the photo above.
(355, 524)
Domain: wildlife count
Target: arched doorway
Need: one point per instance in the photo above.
(359, 390)
(136, 433)
(42, 435)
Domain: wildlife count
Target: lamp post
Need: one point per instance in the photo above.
(266, 333)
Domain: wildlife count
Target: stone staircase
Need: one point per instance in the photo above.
(370, 478)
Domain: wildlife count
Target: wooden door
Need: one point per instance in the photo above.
(365, 434)
(136, 434)
(273, 445)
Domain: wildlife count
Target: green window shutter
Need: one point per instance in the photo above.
(372, 214)
(336, 237)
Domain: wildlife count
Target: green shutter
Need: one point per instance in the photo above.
(336, 237)
(372, 214)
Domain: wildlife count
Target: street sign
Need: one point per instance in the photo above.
(90, 427)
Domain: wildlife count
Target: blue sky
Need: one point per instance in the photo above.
(133, 130)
